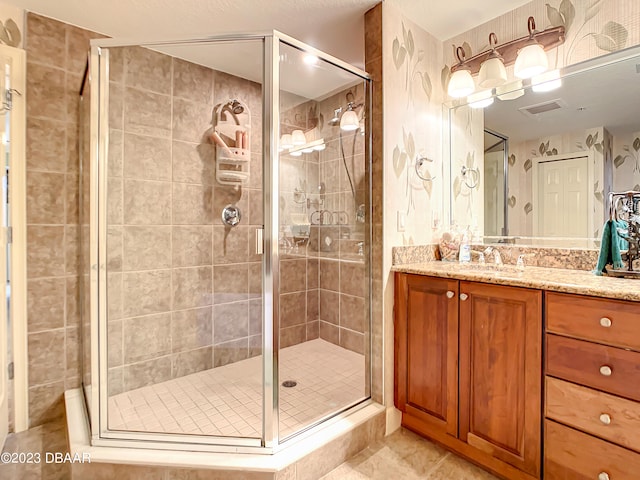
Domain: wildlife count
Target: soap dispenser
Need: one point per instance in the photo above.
(465, 248)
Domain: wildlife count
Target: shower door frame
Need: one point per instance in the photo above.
(270, 441)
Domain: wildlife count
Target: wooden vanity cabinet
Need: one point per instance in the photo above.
(468, 361)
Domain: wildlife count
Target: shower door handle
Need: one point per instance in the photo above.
(259, 243)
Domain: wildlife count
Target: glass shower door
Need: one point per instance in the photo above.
(323, 241)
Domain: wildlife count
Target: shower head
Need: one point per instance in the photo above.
(235, 106)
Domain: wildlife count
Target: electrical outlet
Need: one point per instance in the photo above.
(402, 220)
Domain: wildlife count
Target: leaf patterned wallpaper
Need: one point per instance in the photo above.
(593, 28)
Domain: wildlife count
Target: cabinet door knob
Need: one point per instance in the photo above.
(603, 476)
(605, 419)
(605, 322)
(605, 370)
(463, 296)
(450, 294)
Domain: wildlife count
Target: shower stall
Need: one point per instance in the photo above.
(226, 233)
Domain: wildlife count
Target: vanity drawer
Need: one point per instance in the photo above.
(613, 322)
(606, 368)
(612, 418)
(573, 455)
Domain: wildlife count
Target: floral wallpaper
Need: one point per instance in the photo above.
(593, 28)
(626, 162)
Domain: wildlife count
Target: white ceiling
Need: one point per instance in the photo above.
(333, 26)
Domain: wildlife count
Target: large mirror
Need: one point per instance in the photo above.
(535, 166)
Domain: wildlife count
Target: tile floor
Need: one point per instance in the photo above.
(227, 400)
(407, 456)
(402, 455)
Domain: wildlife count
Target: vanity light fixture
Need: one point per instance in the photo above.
(546, 82)
(286, 141)
(510, 91)
(528, 54)
(480, 99)
(349, 120)
(298, 138)
(532, 59)
(461, 82)
(492, 71)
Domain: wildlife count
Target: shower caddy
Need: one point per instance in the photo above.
(232, 138)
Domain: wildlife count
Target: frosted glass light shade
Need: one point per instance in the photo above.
(349, 121)
(492, 73)
(546, 82)
(286, 142)
(481, 99)
(510, 91)
(461, 84)
(531, 61)
(298, 138)
(296, 153)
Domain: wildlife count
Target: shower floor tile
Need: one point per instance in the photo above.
(228, 400)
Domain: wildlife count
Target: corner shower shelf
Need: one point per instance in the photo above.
(232, 139)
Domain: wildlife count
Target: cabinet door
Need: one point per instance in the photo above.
(501, 372)
(426, 350)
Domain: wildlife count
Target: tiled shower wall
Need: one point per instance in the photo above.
(56, 58)
(183, 289)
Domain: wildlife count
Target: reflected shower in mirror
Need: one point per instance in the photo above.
(563, 146)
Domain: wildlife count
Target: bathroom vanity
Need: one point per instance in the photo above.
(529, 373)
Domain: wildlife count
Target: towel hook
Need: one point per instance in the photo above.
(420, 161)
(474, 181)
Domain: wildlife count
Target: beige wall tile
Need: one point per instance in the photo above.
(114, 201)
(147, 203)
(230, 245)
(45, 198)
(313, 273)
(313, 305)
(293, 309)
(353, 312)
(146, 292)
(191, 361)
(192, 204)
(292, 335)
(313, 330)
(45, 42)
(147, 158)
(192, 287)
(114, 295)
(190, 120)
(193, 162)
(255, 316)
(192, 246)
(255, 345)
(230, 322)
(77, 41)
(45, 251)
(45, 303)
(255, 280)
(330, 275)
(114, 344)
(46, 356)
(353, 278)
(46, 144)
(147, 70)
(147, 113)
(191, 329)
(114, 248)
(116, 109)
(255, 207)
(72, 353)
(330, 306)
(116, 64)
(146, 248)
(146, 337)
(230, 352)
(116, 151)
(352, 340)
(192, 82)
(293, 275)
(72, 301)
(150, 372)
(71, 205)
(329, 332)
(46, 403)
(46, 92)
(115, 381)
(230, 283)
(226, 87)
(72, 250)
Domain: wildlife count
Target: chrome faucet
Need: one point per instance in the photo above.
(497, 259)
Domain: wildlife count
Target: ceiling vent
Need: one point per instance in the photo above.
(539, 108)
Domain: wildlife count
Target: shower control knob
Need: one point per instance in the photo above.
(450, 294)
(231, 215)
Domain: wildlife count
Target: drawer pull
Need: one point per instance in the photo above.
(463, 296)
(605, 322)
(603, 476)
(450, 294)
(605, 419)
(605, 370)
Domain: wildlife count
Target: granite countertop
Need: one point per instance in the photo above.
(554, 279)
